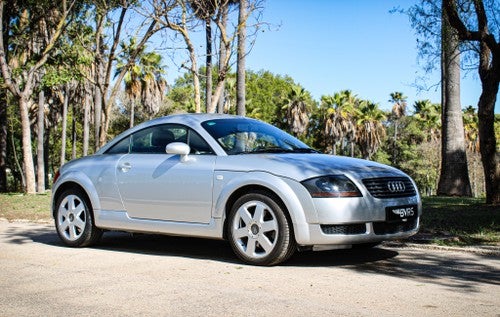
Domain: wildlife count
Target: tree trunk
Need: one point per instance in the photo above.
(208, 70)
(454, 177)
(223, 51)
(29, 168)
(3, 141)
(46, 151)
(18, 164)
(64, 126)
(488, 145)
(132, 113)
(241, 74)
(106, 112)
(489, 72)
(86, 119)
(196, 78)
(73, 132)
(97, 117)
(40, 171)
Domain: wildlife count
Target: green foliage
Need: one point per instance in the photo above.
(415, 153)
(181, 95)
(266, 93)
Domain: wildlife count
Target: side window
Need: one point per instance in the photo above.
(121, 147)
(153, 139)
(197, 144)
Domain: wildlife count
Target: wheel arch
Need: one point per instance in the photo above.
(80, 182)
(253, 189)
(278, 188)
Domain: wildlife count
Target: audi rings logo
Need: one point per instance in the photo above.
(396, 186)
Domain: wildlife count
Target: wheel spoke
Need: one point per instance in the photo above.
(241, 233)
(245, 215)
(259, 213)
(265, 243)
(270, 225)
(250, 250)
(63, 212)
(79, 223)
(71, 203)
(63, 224)
(79, 211)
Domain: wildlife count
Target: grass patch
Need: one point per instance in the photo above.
(445, 220)
(460, 221)
(18, 206)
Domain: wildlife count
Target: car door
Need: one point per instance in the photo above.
(158, 186)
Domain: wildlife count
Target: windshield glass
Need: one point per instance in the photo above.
(244, 136)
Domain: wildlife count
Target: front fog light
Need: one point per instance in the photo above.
(331, 186)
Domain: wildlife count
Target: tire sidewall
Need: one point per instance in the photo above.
(285, 237)
(89, 231)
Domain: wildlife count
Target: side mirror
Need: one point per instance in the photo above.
(179, 148)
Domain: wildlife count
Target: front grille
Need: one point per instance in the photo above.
(390, 187)
(359, 228)
(382, 228)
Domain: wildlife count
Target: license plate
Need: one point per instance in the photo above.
(401, 213)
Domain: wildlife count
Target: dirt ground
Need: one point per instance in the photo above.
(155, 275)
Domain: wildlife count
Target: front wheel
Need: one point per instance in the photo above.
(259, 231)
(73, 219)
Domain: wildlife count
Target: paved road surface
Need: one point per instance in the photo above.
(153, 275)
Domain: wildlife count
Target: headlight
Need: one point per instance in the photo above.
(331, 186)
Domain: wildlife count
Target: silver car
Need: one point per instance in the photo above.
(234, 178)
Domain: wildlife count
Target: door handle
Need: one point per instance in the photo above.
(125, 167)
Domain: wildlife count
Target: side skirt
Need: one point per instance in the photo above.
(119, 220)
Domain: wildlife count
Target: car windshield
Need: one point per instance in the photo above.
(247, 136)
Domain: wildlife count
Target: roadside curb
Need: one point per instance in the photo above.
(493, 251)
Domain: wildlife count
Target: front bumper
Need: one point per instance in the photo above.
(326, 237)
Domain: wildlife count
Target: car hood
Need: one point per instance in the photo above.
(304, 166)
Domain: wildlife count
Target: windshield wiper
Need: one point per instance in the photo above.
(303, 150)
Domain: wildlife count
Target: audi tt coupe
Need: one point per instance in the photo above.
(234, 178)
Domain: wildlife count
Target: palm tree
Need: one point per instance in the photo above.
(428, 114)
(471, 128)
(339, 125)
(153, 82)
(370, 128)
(144, 80)
(297, 110)
(398, 112)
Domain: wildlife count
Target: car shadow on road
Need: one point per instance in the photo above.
(448, 269)
(216, 250)
(219, 250)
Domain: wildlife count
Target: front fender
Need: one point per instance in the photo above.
(295, 197)
(80, 179)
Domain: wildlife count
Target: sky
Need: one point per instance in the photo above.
(331, 45)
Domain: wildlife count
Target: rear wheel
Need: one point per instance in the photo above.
(73, 219)
(259, 231)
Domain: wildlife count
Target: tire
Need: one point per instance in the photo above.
(74, 219)
(259, 231)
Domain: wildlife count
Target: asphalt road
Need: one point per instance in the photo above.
(152, 275)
